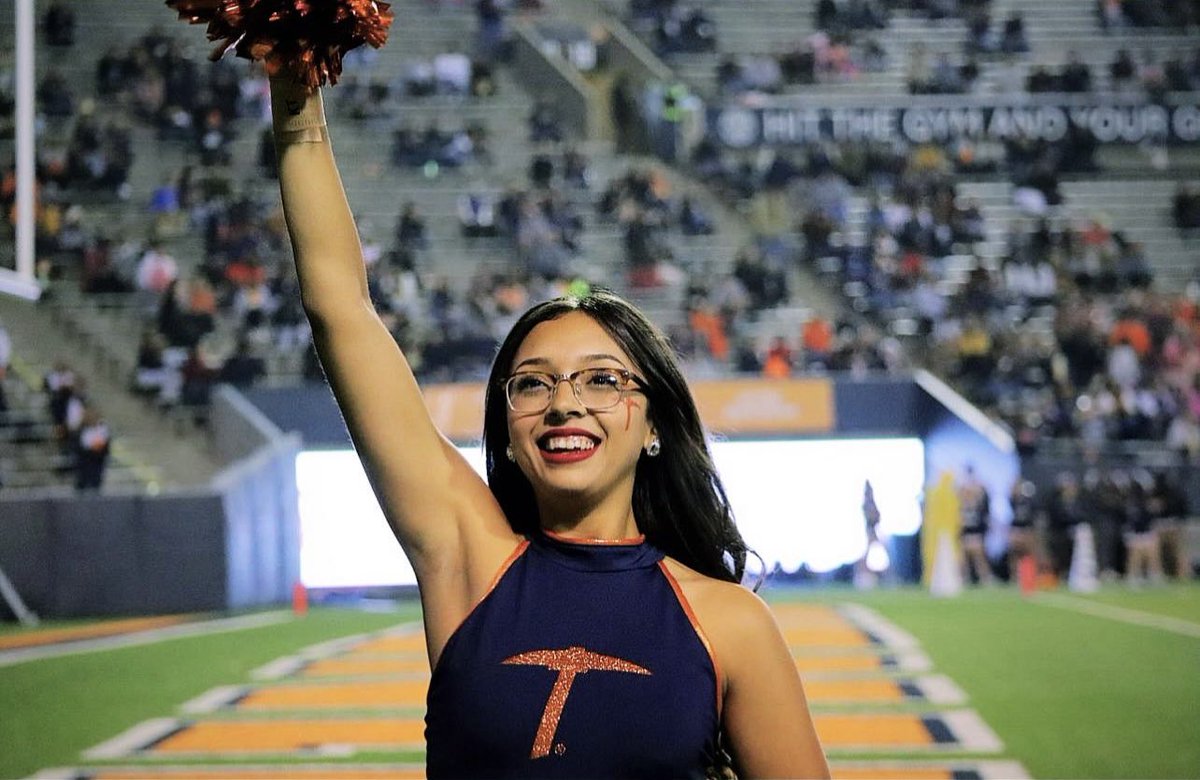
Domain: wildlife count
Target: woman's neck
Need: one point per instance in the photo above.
(598, 522)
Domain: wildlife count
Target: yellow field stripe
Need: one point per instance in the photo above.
(875, 731)
(364, 695)
(329, 772)
(305, 736)
(839, 663)
(292, 736)
(412, 643)
(854, 691)
(826, 637)
(893, 773)
(50, 636)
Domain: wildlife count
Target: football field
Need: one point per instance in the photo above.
(988, 684)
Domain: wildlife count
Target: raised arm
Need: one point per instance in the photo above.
(439, 509)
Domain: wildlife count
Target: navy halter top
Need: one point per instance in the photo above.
(584, 660)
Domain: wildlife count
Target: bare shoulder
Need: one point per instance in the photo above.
(728, 613)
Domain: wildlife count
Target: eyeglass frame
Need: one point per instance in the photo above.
(630, 382)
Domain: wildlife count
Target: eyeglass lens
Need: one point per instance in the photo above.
(594, 388)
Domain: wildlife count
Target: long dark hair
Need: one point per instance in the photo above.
(678, 499)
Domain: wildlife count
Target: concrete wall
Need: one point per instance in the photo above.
(234, 544)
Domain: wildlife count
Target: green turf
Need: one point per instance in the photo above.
(1177, 601)
(1070, 695)
(53, 709)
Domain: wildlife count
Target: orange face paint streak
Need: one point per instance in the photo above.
(568, 663)
(629, 407)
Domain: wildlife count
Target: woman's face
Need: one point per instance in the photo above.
(571, 454)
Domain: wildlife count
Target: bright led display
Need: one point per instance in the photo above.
(796, 502)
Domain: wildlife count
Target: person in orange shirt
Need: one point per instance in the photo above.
(778, 362)
(1132, 331)
(817, 337)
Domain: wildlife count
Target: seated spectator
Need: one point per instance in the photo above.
(544, 124)
(55, 97)
(1185, 207)
(92, 446)
(777, 363)
(980, 37)
(198, 379)
(1122, 70)
(242, 368)
(452, 72)
(213, 139)
(1177, 75)
(59, 24)
(1076, 76)
(418, 78)
(575, 168)
(477, 215)
(411, 230)
(157, 269)
(483, 80)
(1013, 39)
(150, 372)
(693, 221)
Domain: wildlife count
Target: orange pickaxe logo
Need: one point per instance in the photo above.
(568, 663)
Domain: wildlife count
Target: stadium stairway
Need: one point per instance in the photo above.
(148, 450)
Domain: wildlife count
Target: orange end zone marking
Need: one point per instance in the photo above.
(52, 636)
(287, 736)
(361, 667)
(329, 772)
(393, 644)
(894, 773)
(831, 637)
(839, 663)
(853, 691)
(390, 694)
(872, 731)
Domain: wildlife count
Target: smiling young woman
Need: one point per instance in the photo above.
(582, 608)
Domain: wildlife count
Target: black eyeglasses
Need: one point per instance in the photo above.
(597, 389)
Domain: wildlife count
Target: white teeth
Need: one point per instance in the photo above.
(570, 443)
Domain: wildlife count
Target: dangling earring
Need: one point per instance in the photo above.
(508, 453)
(653, 448)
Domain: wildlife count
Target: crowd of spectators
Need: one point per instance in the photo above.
(1136, 517)
(1181, 15)
(904, 265)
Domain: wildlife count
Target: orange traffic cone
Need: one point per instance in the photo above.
(299, 599)
(1027, 574)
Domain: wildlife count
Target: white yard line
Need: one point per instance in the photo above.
(989, 770)
(215, 699)
(1133, 617)
(133, 739)
(972, 733)
(888, 632)
(147, 637)
(290, 664)
(279, 668)
(940, 689)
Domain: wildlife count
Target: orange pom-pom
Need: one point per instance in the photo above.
(303, 38)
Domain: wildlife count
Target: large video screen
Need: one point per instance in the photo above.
(797, 503)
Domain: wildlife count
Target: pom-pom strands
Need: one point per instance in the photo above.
(301, 38)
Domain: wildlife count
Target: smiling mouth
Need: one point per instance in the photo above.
(557, 444)
(567, 447)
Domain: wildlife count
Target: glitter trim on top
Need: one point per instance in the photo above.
(691, 616)
(634, 540)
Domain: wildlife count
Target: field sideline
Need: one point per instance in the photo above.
(1103, 686)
